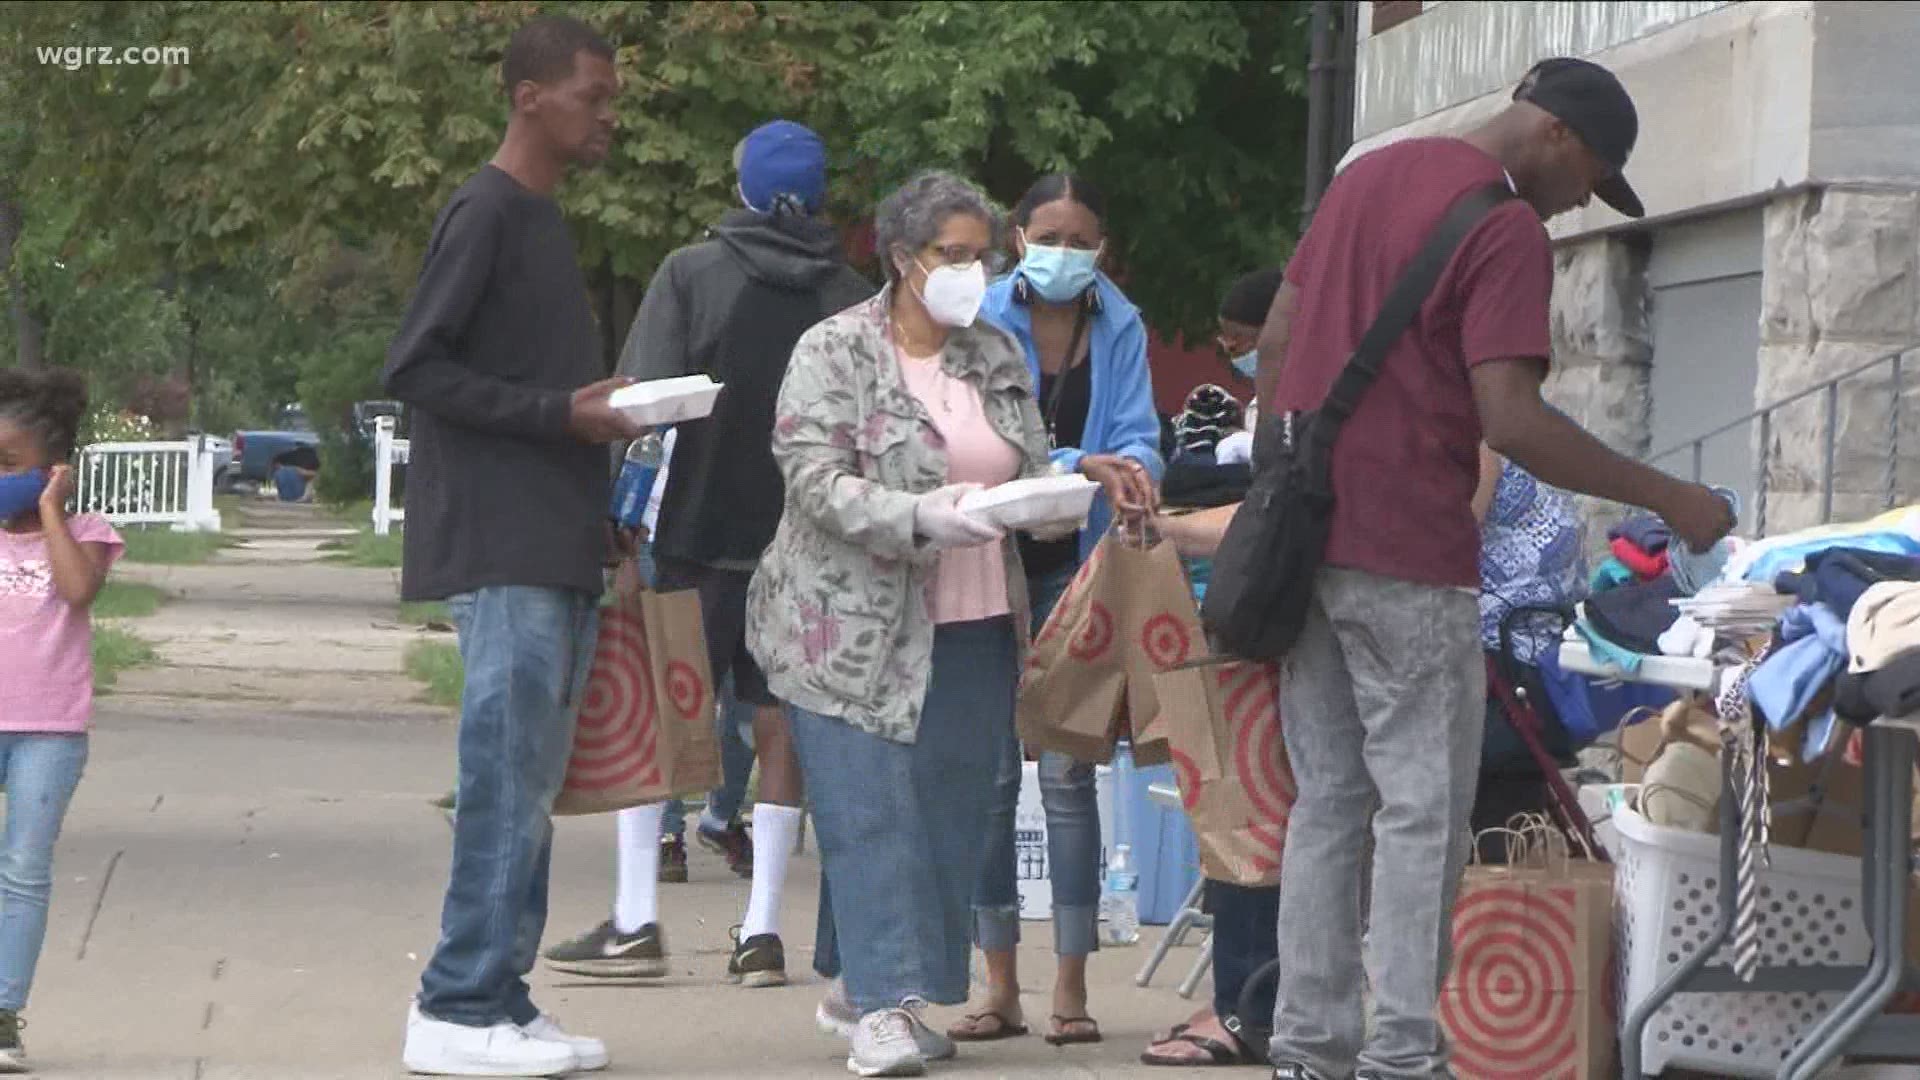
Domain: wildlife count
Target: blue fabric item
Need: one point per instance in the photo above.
(783, 158)
(1770, 565)
(20, 492)
(1120, 419)
(1607, 653)
(1786, 682)
(1588, 709)
(41, 772)
(1644, 531)
(1058, 274)
(289, 484)
(1610, 574)
(1692, 570)
(1529, 557)
(1247, 363)
(1836, 577)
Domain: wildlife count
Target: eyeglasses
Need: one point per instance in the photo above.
(960, 257)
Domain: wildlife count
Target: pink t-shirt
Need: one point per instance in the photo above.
(46, 646)
(970, 583)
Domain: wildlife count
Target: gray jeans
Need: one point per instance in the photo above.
(1383, 702)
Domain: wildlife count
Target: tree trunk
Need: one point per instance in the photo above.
(26, 327)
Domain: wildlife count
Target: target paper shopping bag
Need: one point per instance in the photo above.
(645, 731)
(1127, 614)
(1530, 996)
(1223, 720)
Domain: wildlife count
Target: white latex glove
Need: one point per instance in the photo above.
(940, 520)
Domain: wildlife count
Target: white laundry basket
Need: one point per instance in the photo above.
(1668, 886)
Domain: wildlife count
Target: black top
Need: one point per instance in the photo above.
(498, 336)
(1066, 417)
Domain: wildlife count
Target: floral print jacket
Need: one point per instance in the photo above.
(837, 613)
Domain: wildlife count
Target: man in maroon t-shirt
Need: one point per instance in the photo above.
(1384, 695)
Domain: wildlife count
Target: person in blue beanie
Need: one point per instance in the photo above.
(731, 307)
(1086, 349)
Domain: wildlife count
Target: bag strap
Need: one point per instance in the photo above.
(1415, 283)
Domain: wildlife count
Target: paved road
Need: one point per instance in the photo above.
(247, 885)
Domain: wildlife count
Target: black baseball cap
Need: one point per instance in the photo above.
(1589, 99)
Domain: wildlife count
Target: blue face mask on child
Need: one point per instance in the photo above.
(1247, 363)
(1058, 274)
(20, 492)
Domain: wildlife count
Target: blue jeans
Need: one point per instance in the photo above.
(732, 719)
(41, 772)
(1073, 836)
(528, 652)
(901, 825)
(1244, 941)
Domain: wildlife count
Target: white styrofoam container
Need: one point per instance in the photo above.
(1026, 504)
(1030, 839)
(1668, 889)
(667, 401)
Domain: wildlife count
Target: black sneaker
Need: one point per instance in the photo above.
(758, 961)
(13, 1055)
(1293, 1070)
(606, 953)
(731, 843)
(673, 860)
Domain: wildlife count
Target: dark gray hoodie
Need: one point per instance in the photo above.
(732, 307)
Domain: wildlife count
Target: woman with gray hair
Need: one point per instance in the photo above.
(892, 621)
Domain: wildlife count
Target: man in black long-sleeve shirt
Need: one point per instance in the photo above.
(506, 521)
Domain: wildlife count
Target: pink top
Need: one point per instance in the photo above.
(46, 646)
(970, 583)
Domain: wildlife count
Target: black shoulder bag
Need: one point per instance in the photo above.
(1264, 573)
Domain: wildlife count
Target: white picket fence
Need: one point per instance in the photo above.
(148, 483)
(387, 452)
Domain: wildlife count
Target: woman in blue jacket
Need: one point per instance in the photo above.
(1086, 347)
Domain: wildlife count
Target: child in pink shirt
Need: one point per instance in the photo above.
(51, 568)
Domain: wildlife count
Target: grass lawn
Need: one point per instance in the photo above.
(115, 650)
(164, 546)
(425, 614)
(126, 600)
(365, 549)
(436, 664)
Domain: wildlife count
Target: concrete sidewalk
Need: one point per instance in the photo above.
(251, 898)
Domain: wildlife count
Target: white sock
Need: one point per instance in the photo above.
(775, 828)
(636, 899)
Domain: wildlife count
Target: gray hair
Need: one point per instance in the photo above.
(911, 217)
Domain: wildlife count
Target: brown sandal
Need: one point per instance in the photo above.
(1060, 1036)
(973, 1027)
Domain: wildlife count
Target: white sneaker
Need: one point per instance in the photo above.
(835, 1014)
(437, 1048)
(589, 1053)
(934, 1045)
(883, 1045)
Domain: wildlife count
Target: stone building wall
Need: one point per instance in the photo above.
(1841, 288)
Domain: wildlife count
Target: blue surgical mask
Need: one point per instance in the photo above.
(20, 492)
(1247, 362)
(1058, 274)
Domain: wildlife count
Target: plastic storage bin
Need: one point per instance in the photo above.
(1667, 882)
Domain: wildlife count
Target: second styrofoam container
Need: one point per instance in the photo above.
(667, 401)
(1023, 504)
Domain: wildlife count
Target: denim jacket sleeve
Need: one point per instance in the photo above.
(815, 440)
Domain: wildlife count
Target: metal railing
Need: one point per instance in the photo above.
(150, 483)
(388, 451)
(1828, 392)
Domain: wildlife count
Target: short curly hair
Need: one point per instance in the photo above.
(52, 404)
(911, 217)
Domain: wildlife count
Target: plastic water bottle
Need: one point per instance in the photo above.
(1121, 899)
(637, 473)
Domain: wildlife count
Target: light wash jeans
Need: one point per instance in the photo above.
(528, 652)
(901, 826)
(41, 771)
(1385, 698)
(1073, 835)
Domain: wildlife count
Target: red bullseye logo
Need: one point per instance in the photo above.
(1510, 1006)
(1096, 634)
(1166, 641)
(1187, 775)
(685, 689)
(1259, 755)
(616, 740)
